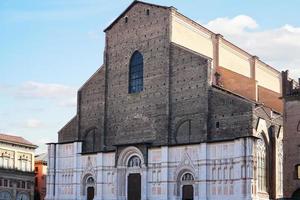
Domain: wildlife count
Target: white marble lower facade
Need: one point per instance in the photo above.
(221, 170)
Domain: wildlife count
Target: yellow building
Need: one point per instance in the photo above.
(16, 168)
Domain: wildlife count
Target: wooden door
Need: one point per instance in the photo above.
(187, 192)
(90, 193)
(134, 187)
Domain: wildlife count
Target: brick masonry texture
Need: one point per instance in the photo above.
(233, 114)
(291, 139)
(178, 104)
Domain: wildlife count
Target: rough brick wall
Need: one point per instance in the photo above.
(291, 142)
(141, 117)
(233, 114)
(69, 131)
(177, 104)
(91, 107)
(189, 95)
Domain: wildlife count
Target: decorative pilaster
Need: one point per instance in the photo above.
(253, 64)
(216, 38)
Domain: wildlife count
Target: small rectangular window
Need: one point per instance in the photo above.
(5, 183)
(28, 186)
(298, 171)
(217, 125)
(23, 184)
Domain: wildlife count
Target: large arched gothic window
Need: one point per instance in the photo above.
(136, 73)
(261, 164)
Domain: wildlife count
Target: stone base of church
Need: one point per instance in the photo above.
(221, 170)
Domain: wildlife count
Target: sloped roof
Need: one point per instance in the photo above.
(41, 157)
(129, 7)
(15, 140)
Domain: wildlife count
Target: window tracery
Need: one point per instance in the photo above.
(136, 73)
(261, 164)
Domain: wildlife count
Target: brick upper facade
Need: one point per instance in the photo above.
(179, 104)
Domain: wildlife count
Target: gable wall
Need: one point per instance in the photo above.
(141, 117)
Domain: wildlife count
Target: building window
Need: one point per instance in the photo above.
(126, 19)
(298, 171)
(298, 127)
(136, 73)
(134, 161)
(23, 184)
(0, 182)
(18, 184)
(28, 185)
(148, 12)
(261, 164)
(5, 183)
(217, 125)
(36, 182)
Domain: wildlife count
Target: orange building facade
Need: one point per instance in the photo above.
(40, 167)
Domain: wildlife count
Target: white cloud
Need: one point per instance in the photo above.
(236, 25)
(33, 123)
(63, 95)
(278, 47)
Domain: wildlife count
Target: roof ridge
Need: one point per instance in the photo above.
(15, 139)
(130, 6)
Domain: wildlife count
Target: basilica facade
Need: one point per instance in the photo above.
(175, 112)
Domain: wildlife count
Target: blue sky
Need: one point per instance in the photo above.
(49, 48)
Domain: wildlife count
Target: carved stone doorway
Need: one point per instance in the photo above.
(134, 187)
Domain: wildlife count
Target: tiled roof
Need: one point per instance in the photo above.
(41, 157)
(15, 140)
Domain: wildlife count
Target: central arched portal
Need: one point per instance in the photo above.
(134, 187)
(132, 174)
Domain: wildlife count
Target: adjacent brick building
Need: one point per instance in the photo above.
(16, 168)
(175, 112)
(291, 139)
(40, 169)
